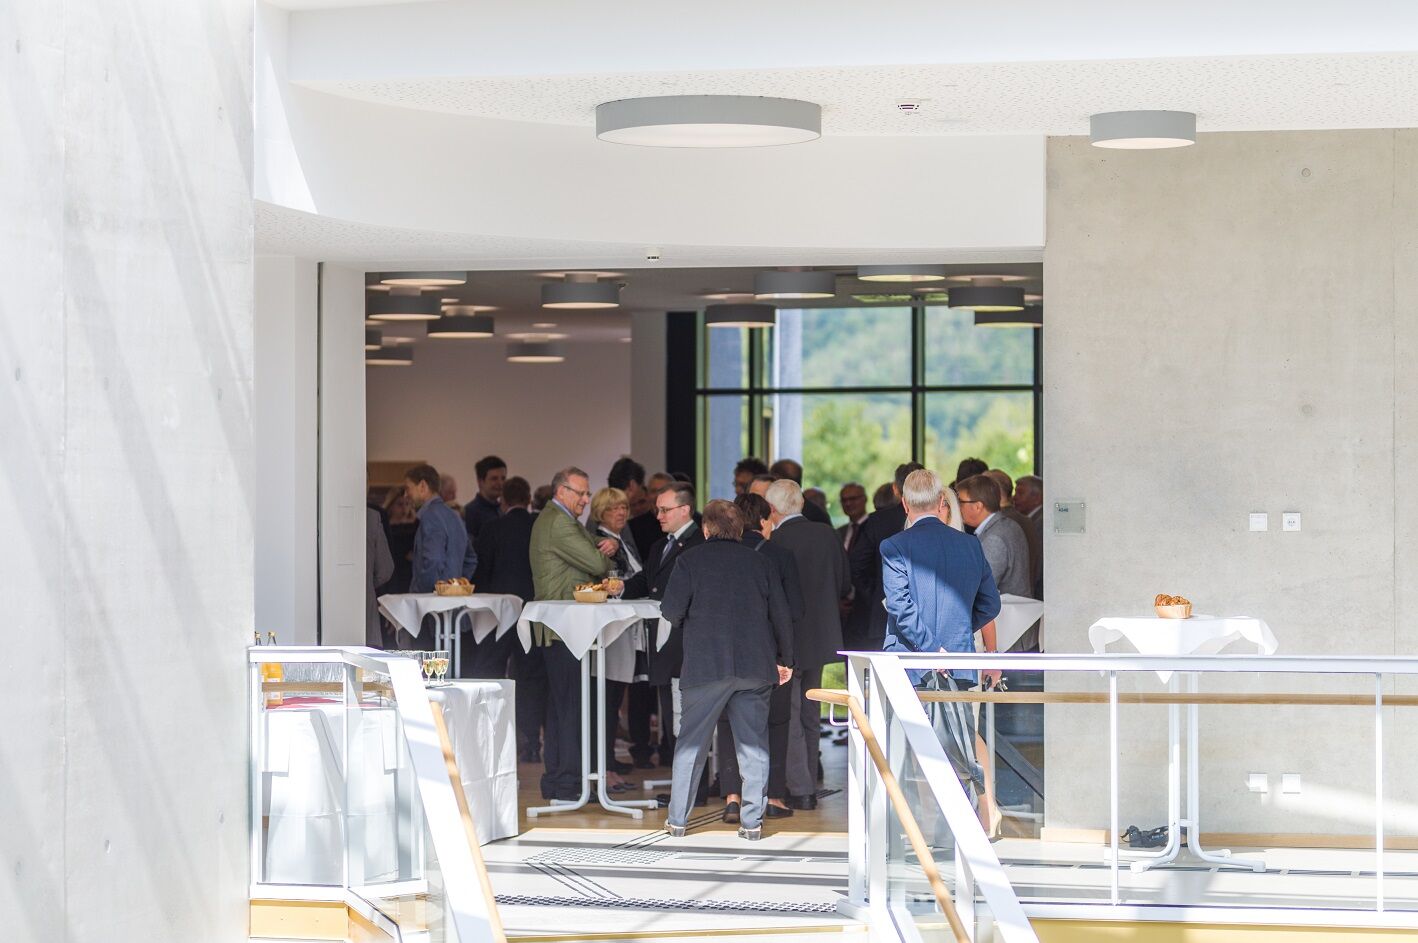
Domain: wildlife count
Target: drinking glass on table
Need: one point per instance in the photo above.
(426, 665)
(615, 584)
(440, 661)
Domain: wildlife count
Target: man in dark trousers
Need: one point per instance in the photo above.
(505, 566)
(730, 612)
(674, 509)
(866, 623)
(822, 575)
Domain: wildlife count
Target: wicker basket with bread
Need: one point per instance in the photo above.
(457, 586)
(1172, 607)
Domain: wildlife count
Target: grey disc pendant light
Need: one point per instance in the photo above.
(402, 307)
(535, 352)
(708, 121)
(424, 279)
(373, 338)
(457, 326)
(740, 315)
(580, 290)
(1031, 316)
(1142, 130)
(901, 273)
(390, 357)
(788, 285)
(987, 294)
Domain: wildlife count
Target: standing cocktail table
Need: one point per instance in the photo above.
(486, 611)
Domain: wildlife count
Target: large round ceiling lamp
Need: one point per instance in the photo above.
(708, 121)
(401, 307)
(390, 357)
(785, 286)
(424, 279)
(987, 294)
(740, 315)
(1031, 316)
(901, 273)
(535, 352)
(1142, 130)
(580, 290)
(461, 326)
(373, 338)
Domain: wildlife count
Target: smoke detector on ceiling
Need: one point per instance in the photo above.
(909, 106)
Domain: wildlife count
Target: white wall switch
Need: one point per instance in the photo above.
(1290, 784)
(1258, 782)
(1260, 520)
(1290, 520)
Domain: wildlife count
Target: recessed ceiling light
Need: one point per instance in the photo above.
(373, 338)
(740, 315)
(901, 273)
(536, 336)
(1142, 130)
(390, 357)
(580, 290)
(708, 121)
(424, 279)
(395, 307)
(790, 285)
(535, 353)
(987, 294)
(544, 324)
(460, 326)
(1031, 316)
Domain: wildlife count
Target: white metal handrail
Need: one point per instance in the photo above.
(472, 914)
(1110, 667)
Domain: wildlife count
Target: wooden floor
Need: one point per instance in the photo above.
(829, 816)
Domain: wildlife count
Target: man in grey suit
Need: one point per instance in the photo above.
(379, 566)
(825, 581)
(727, 604)
(1002, 539)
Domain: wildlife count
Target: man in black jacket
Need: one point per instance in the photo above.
(674, 509)
(822, 574)
(791, 470)
(738, 644)
(865, 630)
(505, 566)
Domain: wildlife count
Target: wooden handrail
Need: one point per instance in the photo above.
(903, 808)
(469, 827)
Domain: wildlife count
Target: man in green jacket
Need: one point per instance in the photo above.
(563, 555)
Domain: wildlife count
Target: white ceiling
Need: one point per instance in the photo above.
(1227, 93)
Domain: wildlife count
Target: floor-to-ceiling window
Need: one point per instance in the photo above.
(853, 392)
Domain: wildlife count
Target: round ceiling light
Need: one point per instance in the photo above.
(794, 285)
(401, 307)
(901, 273)
(458, 326)
(1142, 130)
(532, 352)
(580, 290)
(740, 315)
(390, 357)
(424, 279)
(708, 121)
(1031, 316)
(373, 338)
(987, 294)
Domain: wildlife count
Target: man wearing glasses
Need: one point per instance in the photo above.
(563, 555)
(674, 509)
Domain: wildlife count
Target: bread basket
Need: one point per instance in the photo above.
(458, 587)
(589, 595)
(1175, 612)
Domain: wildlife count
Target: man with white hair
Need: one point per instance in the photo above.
(824, 580)
(939, 593)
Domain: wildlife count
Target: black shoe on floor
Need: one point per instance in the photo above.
(803, 803)
(731, 813)
(771, 811)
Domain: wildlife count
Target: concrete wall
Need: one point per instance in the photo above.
(125, 469)
(287, 343)
(462, 400)
(647, 389)
(1229, 329)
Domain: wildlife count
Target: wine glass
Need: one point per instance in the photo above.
(426, 666)
(615, 583)
(440, 661)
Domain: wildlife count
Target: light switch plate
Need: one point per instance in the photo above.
(1290, 784)
(1069, 517)
(1260, 521)
(1290, 520)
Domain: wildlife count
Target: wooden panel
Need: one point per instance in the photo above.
(299, 919)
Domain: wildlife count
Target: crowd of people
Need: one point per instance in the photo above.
(762, 593)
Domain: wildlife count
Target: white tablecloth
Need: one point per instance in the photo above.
(579, 623)
(1199, 635)
(304, 788)
(1017, 614)
(486, 611)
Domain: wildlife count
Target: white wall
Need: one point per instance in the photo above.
(461, 400)
(125, 469)
(1229, 329)
(287, 342)
(342, 468)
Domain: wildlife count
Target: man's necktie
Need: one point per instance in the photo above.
(665, 554)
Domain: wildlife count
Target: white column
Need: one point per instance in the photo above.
(285, 397)
(342, 456)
